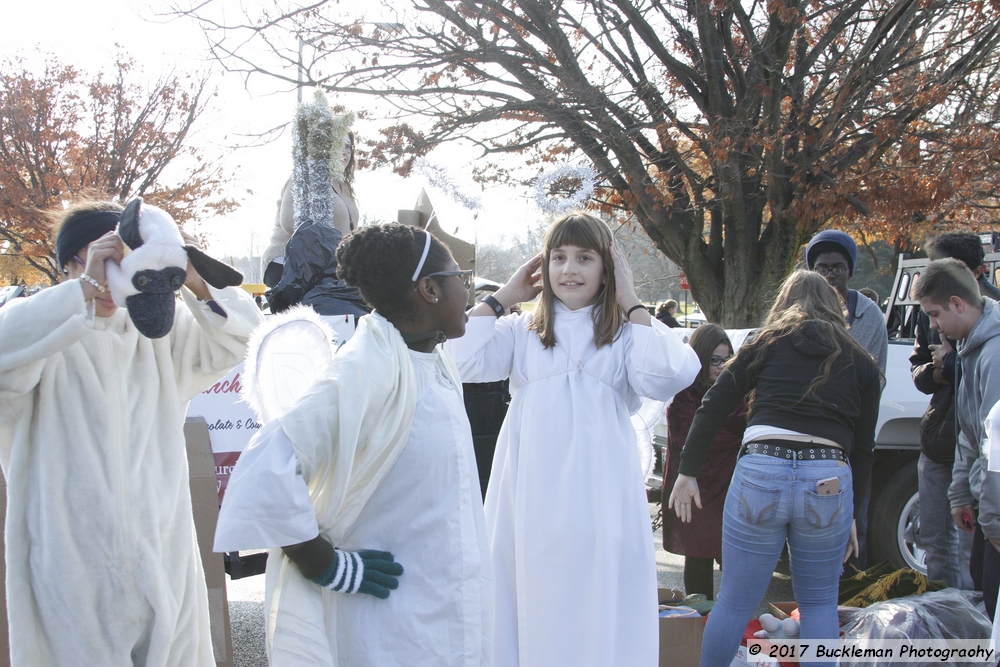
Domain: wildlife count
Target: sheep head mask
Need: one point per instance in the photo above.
(146, 280)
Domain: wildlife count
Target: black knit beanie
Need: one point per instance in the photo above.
(81, 230)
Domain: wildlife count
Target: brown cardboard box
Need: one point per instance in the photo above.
(205, 504)
(680, 638)
(782, 610)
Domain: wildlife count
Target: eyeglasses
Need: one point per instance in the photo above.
(718, 361)
(78, 261)
(824, 270)
(466, 276)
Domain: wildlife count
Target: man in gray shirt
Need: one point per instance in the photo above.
(834, 255)
(949, 294)
(948, 549)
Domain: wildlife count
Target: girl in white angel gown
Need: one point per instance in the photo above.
(373, 464)
(566, 508)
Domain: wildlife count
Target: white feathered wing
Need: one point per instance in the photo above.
(285, 357)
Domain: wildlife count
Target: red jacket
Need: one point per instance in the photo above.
(702, 538)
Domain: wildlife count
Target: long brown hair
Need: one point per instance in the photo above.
(583, 231)
(703, 341)
(805, 296)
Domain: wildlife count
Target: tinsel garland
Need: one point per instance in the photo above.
(438, 177)
(300, 169)
(317, 159)
(319, 156)
(555, 205)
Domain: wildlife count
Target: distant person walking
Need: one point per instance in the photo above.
(666, 313)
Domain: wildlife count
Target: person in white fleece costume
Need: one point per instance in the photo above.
(102, 563)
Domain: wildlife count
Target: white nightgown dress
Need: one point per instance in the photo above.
(566, 509)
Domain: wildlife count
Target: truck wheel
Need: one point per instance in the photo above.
(894, 521)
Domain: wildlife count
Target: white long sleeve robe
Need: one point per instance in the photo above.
(427, 512)
(102, 563)
(566, 506)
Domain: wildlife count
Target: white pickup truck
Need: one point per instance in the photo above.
(893, 523)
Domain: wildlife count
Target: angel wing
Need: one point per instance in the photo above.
(644, 422)
(285, 357)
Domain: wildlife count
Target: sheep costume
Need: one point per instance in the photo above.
(102, 563)
(146, 279)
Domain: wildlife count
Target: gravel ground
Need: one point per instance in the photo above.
(246, 602)
(246, 620)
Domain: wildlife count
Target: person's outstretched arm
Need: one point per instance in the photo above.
(486, 352)
(210, 335)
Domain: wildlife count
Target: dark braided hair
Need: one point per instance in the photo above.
(380, 260)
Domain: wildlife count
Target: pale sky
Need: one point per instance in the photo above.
(85, 34)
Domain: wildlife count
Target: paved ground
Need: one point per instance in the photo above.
(246, 603)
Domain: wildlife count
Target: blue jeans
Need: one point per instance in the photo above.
(772, 500)
(948, 552)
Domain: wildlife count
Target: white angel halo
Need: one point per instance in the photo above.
(555, 205)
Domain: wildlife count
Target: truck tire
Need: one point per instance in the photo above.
(893, 520)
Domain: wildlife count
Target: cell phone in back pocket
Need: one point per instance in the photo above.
(828, 487)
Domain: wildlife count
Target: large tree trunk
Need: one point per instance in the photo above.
(737, 290)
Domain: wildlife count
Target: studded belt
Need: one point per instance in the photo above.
(800, 452)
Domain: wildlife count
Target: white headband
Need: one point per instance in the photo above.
(423, 257)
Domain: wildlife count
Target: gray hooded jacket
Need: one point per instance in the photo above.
(868, 329)
(977, 392)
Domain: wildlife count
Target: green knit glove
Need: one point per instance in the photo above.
(366, 571)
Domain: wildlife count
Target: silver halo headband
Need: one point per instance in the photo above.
(423, 257)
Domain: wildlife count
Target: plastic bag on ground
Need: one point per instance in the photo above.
(947, 614)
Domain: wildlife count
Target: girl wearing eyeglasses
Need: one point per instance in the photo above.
(367, 490)
(566, 505)
(700, 542)
(804, 468)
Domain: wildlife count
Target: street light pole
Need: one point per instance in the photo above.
(298, 91)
